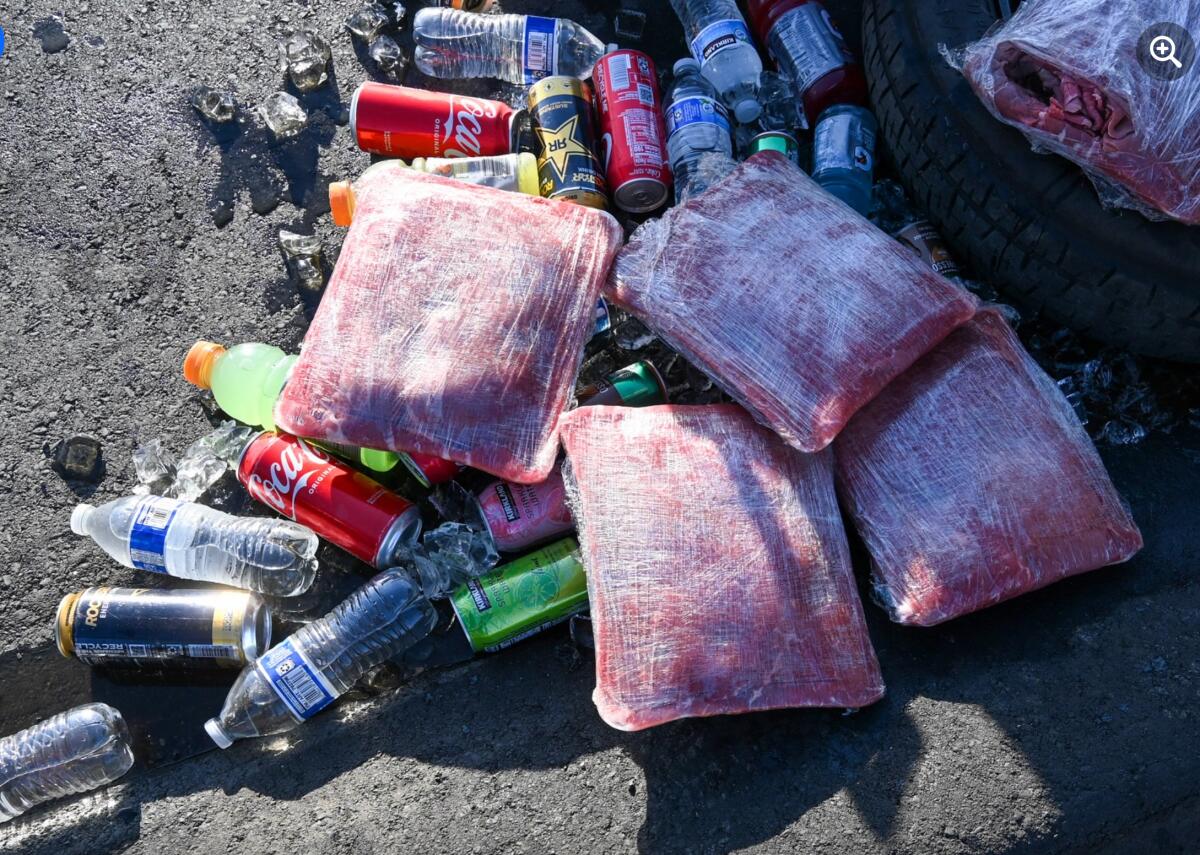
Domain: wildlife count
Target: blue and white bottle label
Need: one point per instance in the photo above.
(304, 690)
(148, 538)
(693, 109)
(843, 141)
(541, 48)
(718, 36)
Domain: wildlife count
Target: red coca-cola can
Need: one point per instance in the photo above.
(633, 140)
(342, 505)
(397, 121)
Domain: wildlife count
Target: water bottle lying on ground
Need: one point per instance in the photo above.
(73, 752)
(721, 43)
(190, 541)
(308, 671)
(514, 48)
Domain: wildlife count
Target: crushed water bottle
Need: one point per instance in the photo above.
(721, 44)
(308, 671)
(697, 131)
(73, 752)
(190, 541)
(514, 48)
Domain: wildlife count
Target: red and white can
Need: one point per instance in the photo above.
(430, 470)
(520, 515)
(634, 141)
(397, 121)
(340, 504)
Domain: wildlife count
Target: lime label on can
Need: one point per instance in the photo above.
(522, 597)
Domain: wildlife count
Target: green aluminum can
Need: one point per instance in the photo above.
(637, 385)
(523, 597)
(779, 141)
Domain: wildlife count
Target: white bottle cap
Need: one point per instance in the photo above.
(79, 518)
(213, 728)
(747, 110)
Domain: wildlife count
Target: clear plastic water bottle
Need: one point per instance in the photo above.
(844, 154)
(73, 752)
(721, 43)
(697, 131)
(515, 48)
(190, 541)
(305, 673)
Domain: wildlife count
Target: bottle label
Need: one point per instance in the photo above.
(148, 537)
(304, 690)
(541, 48)
(718, 36)
(842, 141)
(806, 45)
(693, 109)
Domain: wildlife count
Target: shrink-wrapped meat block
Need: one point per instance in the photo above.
(453, 324)
(971, 481)
(794, 304)
(1097, 83)
(718, 570)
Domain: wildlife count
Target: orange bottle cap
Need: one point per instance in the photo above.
(198, 364)
(341, 203)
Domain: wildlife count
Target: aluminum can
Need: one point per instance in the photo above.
(780, 141)
(103, 626)
(523, 597)
(637, 385)
(522, 515)
(342, 505)
(398, 121)
(924, 238)
(568, 169)
(633, 141)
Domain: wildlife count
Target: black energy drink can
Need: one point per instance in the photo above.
(109, 626)
(565, 131)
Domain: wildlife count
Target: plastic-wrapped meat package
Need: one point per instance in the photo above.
(718, 570)
(800, 309)
(971, 481)
(1066, 73)
(453, 325)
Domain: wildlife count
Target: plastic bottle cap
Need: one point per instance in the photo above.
(685, 64)
(198, 364)
(79, 518)
(747, 110)
(213, 728)
(341, 203)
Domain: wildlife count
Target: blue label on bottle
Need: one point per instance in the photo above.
(541, 48)
(304, 690)
(603, 320)
(718, 36)
(693, 109)
(148, 537)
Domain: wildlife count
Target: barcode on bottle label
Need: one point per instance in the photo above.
(304, 690)
(148, 537)
(541, 48)
(718, 36)
(212, 651)
(618, 69)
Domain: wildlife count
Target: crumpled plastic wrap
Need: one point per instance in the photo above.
(718, 570)
(1066, 74)
(453, 325)
(800, 309)
(971, 481)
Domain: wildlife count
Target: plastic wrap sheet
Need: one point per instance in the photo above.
(1066, 73)
(453, 325)
(718, 569)
(971, 481)
(795, 305)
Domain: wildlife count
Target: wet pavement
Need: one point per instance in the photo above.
(1063, 721)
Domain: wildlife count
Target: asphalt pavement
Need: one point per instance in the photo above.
(1064, 721)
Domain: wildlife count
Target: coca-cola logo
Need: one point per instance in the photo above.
(298, 462)
(462, 123)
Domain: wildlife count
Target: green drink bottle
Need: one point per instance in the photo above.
(246, 379)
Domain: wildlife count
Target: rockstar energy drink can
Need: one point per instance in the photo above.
(565, 142)
(523, 597)
(103, 626)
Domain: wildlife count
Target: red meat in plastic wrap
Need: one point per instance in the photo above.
(718, 570)
(1066, 73)
(971, 481)
(795, 305)
(453, 324)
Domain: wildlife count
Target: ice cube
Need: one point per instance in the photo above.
(208, 459)
(365, 23)
(215, 106)
(154, 466)
(451, 555)
(388, 56)
(303, 255)
(629, 24)
(890, 209)
(778, 100)
(306, 56)
(632, 334)
(283, 115)
(398, 12)
(1122, 432)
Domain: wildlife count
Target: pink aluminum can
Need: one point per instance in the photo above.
(340, 504)
(521, 515)
(629, 107)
